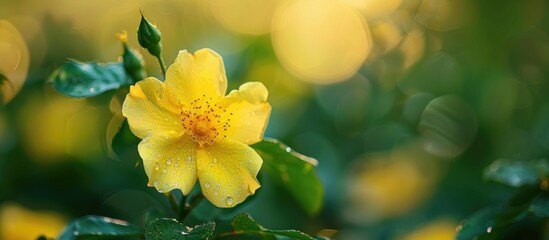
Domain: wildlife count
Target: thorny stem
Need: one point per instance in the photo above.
(187, 207)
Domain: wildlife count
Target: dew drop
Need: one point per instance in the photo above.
(489, 230)
(92, 90)
(215, 160)
(187, 205)
(176, 164)
(215, 193)
(155, 183)
(207, 185)
(230, 200)
(164, 170)
(168, 162)
(156, 167)
(288, 149)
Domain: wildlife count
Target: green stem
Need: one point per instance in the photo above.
(173, 201)
(187, 207)
(162, 65)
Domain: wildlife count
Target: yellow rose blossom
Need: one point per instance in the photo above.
(190, 130)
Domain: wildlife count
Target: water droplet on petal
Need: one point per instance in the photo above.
(176, 164)
(207, 185)
(168, 162)
(164, 170)
(215, 193)
(155, 184)
(230, 200)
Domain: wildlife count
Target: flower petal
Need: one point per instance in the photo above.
(148, 111)
(193, 75)
(169, 162)
(250, 112)
(227, 172)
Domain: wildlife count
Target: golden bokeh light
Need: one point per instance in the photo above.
(320, 41)
(387, 185)
(412, 47)
(58, 126)
(245, 16)
(14, 63)
(373, 9)
(441, 229)
(386, 36)
(441, 15)
(19, 223)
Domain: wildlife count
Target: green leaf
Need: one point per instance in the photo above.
(540, 205)
(479, 223)
(293, 171)
(167, 228)
(244, 224)
(78, 79)
(98, 227)
(517, 173)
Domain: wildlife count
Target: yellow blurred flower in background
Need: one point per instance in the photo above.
(191, 131)
(18, 223)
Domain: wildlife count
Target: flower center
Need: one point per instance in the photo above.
(205, 121)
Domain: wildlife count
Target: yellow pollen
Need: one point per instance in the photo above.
(201, 128)
(205, 121)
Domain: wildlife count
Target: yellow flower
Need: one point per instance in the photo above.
(191, 131)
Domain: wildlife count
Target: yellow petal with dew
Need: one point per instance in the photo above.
(148, 110)
(169, 161)
(227, 172)
(193, 76)
(250, 112)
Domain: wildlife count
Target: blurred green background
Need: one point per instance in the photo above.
(403, 103)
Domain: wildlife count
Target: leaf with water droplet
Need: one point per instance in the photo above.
(294, 171)
(99, 227)
(79, 79)
(517, 173)
(477, 224)
(167, 228)
(244, 224)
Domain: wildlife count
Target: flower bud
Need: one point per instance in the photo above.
(149, 37)
(132, 60)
